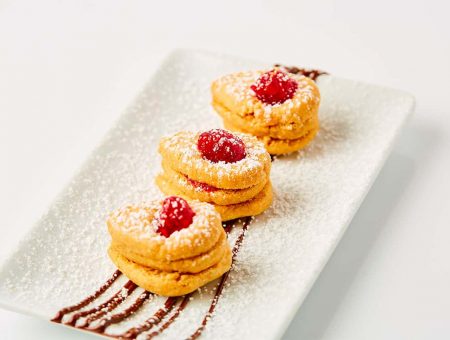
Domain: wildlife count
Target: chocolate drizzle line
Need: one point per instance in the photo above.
(132, 333)
(116, 318)
(310, 73)
(107, 306)
(59, 316)
(218, 294)
(228, 225)
(165, 325)
(111, 306)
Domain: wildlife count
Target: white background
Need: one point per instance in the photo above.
(68, 69)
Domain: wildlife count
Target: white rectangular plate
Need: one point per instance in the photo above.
(317, 192)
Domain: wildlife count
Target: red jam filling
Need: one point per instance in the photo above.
(218, 145)
(175, 214)
(274, 87)
(202, 186)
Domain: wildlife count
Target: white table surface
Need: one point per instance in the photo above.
(68, 69)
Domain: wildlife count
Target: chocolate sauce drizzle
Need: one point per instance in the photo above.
(165, 325)
(101, 311)
(116, 318)
(59, 316)
(152, 321)
(310, 73)
(106, 307)
(228, 226)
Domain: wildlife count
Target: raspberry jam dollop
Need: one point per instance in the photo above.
(219, 145)
(175, 214)
(274, 87)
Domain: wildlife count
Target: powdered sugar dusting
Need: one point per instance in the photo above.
(316, 193)
(142, 221)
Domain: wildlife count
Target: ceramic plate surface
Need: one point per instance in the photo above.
(317, 192)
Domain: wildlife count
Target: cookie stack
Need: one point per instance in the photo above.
(169, 247)
(230, 171)
(279, 108)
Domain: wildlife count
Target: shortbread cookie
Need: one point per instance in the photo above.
(137, 225)
(169, 247)
(181, 153)
(236, 92)
(194, 264)
(169, 283)
(271, 105)
(210, 167)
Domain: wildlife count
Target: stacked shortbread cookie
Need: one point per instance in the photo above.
(230, 171)
(279, 108)
(169, 247)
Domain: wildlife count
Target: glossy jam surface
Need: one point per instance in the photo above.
(218, 145)
(202, 186)
(175, 214)
(274, 87)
